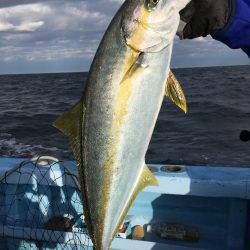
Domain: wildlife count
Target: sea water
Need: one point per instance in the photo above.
(218, 102)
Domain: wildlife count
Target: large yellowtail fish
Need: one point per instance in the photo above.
(110, 127)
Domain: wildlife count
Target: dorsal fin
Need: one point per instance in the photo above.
(175, 93)
(147, 179)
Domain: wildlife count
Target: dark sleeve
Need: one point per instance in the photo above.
(236, 34)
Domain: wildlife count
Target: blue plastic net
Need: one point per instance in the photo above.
(40, 207)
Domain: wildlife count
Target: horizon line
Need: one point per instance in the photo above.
(86, 72)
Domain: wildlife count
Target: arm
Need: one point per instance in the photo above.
(236, 34)
(227, 21)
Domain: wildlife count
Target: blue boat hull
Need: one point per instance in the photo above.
(212, 202)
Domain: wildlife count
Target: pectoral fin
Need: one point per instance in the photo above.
(175, 93)
(136, 64)
(147, 179)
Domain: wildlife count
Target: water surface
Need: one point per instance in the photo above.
(218, 109)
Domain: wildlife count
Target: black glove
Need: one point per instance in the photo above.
(204, 17)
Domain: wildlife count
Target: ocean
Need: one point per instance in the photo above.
(218, 110)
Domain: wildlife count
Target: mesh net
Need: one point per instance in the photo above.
(40, 207)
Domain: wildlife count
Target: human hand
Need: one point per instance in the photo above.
(204, 17)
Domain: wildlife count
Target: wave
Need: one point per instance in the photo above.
(10, 147)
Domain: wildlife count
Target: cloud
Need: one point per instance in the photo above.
(50, 31)
(63, 35)
(27, 26)
(22, 17)
(204, 52)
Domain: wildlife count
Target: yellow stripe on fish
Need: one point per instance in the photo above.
(122, 101)
(130, 72)
(125, 89)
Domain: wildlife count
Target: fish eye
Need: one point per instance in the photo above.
(151, 4)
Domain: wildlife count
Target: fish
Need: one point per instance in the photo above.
(110, 128)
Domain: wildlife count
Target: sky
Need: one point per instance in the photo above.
(63, 35)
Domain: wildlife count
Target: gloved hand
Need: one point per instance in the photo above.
(204, 17)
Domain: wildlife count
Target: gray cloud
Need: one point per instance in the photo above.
(204, 52)
(63, 35)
